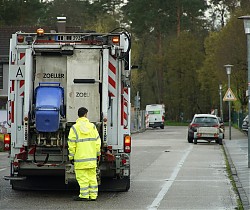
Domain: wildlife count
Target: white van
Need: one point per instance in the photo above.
(156, 114)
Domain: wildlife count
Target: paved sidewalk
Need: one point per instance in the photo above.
(237, 153)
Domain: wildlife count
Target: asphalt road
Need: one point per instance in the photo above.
(167, 173)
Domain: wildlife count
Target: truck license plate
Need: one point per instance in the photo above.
(68, 38)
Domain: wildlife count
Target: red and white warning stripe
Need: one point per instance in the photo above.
(20, 85)
(112, 76)
(147, 120)
(125, 107)
(11, 104)
(21, 88)
(21, 58)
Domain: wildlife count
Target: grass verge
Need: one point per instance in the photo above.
(1, 142)
(173, 123)
(230, 176)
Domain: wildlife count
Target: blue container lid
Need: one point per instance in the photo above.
(49, 97)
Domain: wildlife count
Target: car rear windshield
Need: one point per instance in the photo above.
(205, 120)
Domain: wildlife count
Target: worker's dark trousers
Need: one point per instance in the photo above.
(86, 178)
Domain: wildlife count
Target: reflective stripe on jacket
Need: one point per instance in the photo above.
(84, 144)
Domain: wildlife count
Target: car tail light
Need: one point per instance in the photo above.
(194, 125)
(6, 142)
(127, 143)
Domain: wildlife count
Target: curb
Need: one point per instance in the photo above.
(138, 131)
(240, 190)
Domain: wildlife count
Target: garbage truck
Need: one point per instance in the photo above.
(52, 75)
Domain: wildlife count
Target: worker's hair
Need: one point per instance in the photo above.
(82, 111)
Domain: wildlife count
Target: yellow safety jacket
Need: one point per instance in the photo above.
(84, 144)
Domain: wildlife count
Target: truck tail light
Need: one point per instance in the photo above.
(20, 38)
(40, 32)
(16, 164)
(163, 118)
(124, 161)
(6, 142)
(127, 144)
(116, 39)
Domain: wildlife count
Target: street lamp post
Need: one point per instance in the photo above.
(246, 20)
(229, 69)
(221, 111)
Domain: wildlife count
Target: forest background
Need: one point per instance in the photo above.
(179, 47)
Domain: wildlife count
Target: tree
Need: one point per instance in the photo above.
(149, 21)
(21, 12)
(89, 15)
(184, 58)
(154, 23)
(189, 13)
(227, 46)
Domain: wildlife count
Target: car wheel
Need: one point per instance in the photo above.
(195, 141)
(190, 139)
(162, 126)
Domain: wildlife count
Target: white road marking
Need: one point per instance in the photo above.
(2, 169)
(183, 180)
(170, 181)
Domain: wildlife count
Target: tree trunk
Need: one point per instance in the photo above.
(178, 13)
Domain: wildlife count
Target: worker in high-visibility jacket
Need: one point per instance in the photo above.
(84, 150)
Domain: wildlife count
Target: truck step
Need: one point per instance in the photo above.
(16, 178)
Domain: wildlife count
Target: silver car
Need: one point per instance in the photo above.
(205, 127)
